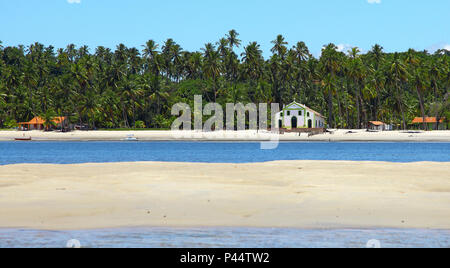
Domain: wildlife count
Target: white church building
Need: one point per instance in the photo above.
(296, 115)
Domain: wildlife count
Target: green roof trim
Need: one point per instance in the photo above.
(292, 104)
(302, 108)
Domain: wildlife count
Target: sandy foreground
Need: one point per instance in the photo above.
(338, 135)
(299, 194)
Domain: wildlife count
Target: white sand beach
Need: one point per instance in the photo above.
(336, 135)
(299, 194)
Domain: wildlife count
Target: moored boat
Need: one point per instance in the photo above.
(130, 138)
(23, 139)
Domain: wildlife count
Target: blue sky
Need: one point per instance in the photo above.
(395, 24)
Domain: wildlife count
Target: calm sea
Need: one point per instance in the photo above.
(214, 152)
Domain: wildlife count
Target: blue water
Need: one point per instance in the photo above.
(226, 238)
(216, 152)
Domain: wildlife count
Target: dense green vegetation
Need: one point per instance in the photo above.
(129, 87)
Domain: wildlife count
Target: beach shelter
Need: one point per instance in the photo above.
(377, 125)
(37, 123)
(429, 121)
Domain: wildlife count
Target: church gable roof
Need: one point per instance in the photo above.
(297, 106)
(294, 105)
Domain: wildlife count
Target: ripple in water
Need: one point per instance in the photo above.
(226, 238)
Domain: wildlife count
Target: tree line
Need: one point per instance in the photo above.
(136, 88)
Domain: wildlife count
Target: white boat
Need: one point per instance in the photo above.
(130, 138)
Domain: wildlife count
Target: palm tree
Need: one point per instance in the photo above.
(301, 54)
(252, 59)
(330, 66)
(434, 75)
(356, 74)
(232, 61)
(211, 66)
(377, 55)
(177, 62)
(420, 85)
(71, 52)
(91, 107)
(83, 51)
(378, 79)
(233, 40)
(48, 118)
(275, 70)
(159, 99)
(192, 65)
(109, 104)
(2, 106)
(121, 54)
(279, 46)
(167, 56)
(328, 84)
(150, 50)
(440, 108)
(135, 62)
(399, 75)
(222, 48)
(151, 54)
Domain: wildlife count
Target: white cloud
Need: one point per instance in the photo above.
(374, 1)
(74, 1)
(436, 47)
(346, 48)
(340, 48)
(343, 47)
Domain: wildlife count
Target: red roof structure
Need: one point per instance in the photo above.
(419, 120)
(38, 121)
(376, 123)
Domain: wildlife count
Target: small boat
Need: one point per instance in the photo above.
(23, 139)
(130, 138)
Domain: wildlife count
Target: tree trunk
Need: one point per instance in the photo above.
(67, 122)
(339, 106)
(330, 109)
(399, 100)
(403, 116)
(364, 110)
(377, 104)
(125, 118)
(134, 113)
(358, 110)
(358, 113)
(215, 91)
(422, 110)
(438, 118)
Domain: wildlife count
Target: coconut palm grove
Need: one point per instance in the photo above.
(135, 87)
